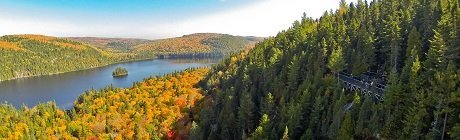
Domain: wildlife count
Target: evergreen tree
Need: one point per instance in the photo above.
(195, 132)
(394, 107)
(415, 122)
(285, 134)
(268, 105)
(261, 132)
(293, 75)
(361, 128)
(455, 131)
(338, 112)
(294, 121)
(435, 57)
(364, 54)
(246, 114)
(391, 32)
(414, 44)
(346, 129)
(336, 61)
(412, 65)
(412, 40)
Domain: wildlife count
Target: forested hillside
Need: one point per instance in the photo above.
(196, 45)
(111, 44)
(287, 87)
(30, 55)
(193, 45)
(148, 110)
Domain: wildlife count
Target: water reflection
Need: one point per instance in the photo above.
(65, 88)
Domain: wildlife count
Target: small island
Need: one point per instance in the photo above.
(119, 71)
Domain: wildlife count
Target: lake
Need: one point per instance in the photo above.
(66, 87)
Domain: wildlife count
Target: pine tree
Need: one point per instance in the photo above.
(315, 117)
(246, 113)
(415, 121)
(412, 65)
(414, 77)
(443, 87)
(391, 34)
(294, 121)
(308, 135)
(361, 128)
(261, 132)
(338, 115)
(285, 134)
(364, 54)
(435, 57)
(293, 75)
(455, 131)
(343, 8)
(394, 107)
(409, 74)
(346, 129)
(268, 105)
(195, 132)
(414, 44)
(336, 61)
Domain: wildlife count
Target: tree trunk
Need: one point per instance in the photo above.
(444, 127)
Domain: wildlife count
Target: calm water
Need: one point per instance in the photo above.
(65, 88)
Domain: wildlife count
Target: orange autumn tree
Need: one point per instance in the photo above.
(148, 110)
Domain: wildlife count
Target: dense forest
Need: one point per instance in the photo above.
(287, 87)
(111, 44)
(199, 45)
(30, 55)
(148, 110)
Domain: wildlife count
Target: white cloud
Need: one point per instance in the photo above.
(264, 18)
(54, 27)
(21, 26)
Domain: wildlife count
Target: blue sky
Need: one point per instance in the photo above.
(154, 18)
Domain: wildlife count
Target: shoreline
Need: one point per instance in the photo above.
(134, 60)
(68, 106)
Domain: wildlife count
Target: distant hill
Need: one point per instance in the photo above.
(30, 55)
(197, 44)
(193, 45)
(110, 44)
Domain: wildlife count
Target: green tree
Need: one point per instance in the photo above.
(336, 61)
(285, 134)
(246, 114)
(346, 129)
(268, 105)
(414, 44)
(455, 131)
(364, 55)
(261, 132)
(394, 107)
(415, 121)
(338, 112)
(435, 57)
(195, 132)
(293, 75)
(365, 111)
